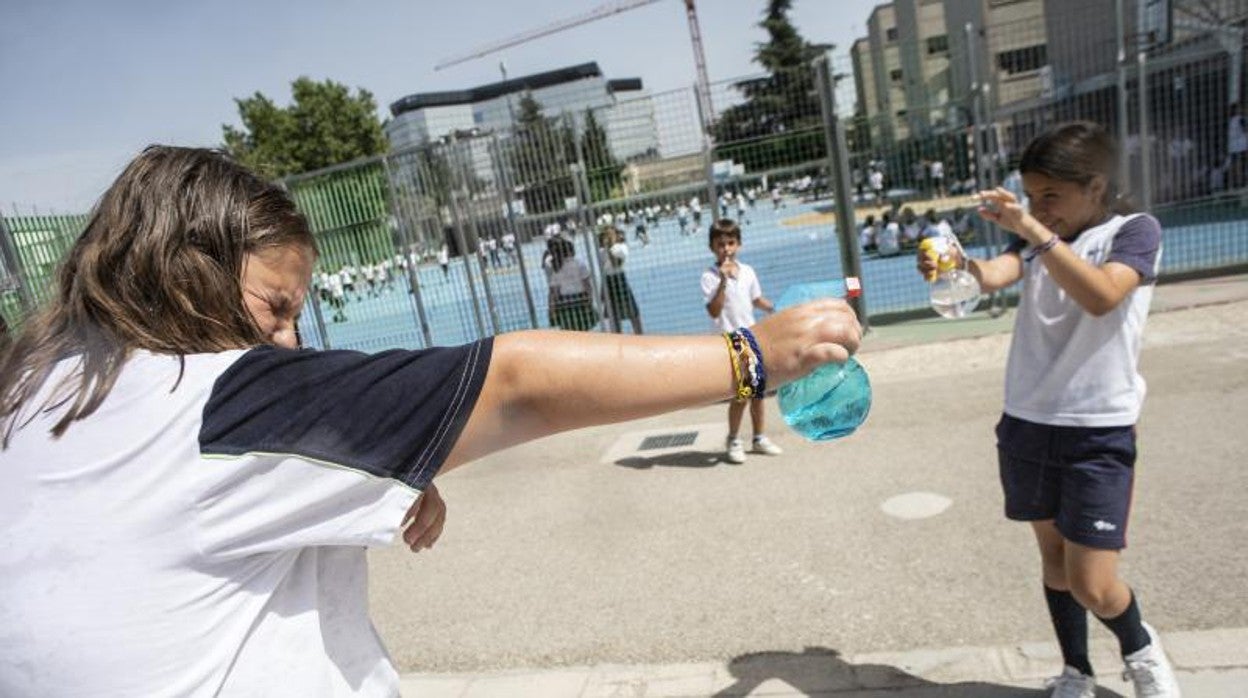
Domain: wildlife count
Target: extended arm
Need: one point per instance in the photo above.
(540, 383)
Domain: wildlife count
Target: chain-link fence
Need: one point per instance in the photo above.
(479, 233)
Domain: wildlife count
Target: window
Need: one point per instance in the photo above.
(890, 34)
(1023, 60)
(895, 74)
(937, 44)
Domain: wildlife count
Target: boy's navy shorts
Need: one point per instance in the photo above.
(1081, 477)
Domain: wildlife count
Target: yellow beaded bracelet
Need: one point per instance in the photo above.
(743, 389)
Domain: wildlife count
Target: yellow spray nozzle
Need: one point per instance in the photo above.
(934, 250)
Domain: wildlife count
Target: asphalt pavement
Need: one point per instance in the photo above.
(880, 564)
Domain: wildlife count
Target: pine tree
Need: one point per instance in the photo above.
(783, 102)
(538, 156)
(602, 169)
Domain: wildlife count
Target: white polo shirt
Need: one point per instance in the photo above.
(739, 296)
(203, 533)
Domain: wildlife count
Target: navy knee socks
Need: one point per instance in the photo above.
(1070, 621)
(1132, 636)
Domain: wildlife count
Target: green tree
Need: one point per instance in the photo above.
(602, 169)
(778, 105)
(540, 156)
(324, 125)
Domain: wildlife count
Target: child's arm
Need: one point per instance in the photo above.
(765, 305)
(1098, 290)
(715, 294)
(715, 305)
(996, 273)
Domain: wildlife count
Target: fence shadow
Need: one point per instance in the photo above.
(680, 459)
(820, 671)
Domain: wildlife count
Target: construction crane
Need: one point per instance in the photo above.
(602, 11)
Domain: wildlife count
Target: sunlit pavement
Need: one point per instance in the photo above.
(879, 564)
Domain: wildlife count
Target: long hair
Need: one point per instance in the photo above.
(159, 267)
(1078, 151)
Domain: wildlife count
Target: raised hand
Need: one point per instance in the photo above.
(1000, 206)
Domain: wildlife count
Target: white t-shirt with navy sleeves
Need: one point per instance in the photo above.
(204, 531)
(1066, 366)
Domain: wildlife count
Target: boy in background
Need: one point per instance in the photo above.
(732, 292)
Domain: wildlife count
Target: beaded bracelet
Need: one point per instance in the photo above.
(736, 366)
(744, 366)
(1043, 247)
(749, 363)
(760, 385)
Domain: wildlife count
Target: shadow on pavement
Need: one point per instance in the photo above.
(819, 671)
(682, 459)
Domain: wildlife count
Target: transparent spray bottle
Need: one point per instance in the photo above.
(834, 399)
(955, 292)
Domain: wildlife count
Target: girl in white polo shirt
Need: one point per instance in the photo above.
(1073, 393)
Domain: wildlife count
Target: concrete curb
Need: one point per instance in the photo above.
(1216, 659)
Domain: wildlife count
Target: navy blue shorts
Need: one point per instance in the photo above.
(1081, 477)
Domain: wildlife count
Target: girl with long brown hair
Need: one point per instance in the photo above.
(186, 497)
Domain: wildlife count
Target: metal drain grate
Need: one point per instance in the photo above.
(651, 443)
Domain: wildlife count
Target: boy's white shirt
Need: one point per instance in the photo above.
(739, 296)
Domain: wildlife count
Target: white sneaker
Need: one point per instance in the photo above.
(1072, 683)
(736, 450)
(762, 444)
(1150, 671)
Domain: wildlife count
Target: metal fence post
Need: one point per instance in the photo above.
(708, 157)
(405, 235)
(584, 196)
(838, 171)
(504, 183)
(1124, 118)
(1141, 57)
(457, 229)
(486, 285)
(986, 150)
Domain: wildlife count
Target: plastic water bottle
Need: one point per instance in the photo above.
(829, 403)
(834, 399)
(954, 292)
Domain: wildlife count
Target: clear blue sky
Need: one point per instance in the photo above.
(88, 83)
